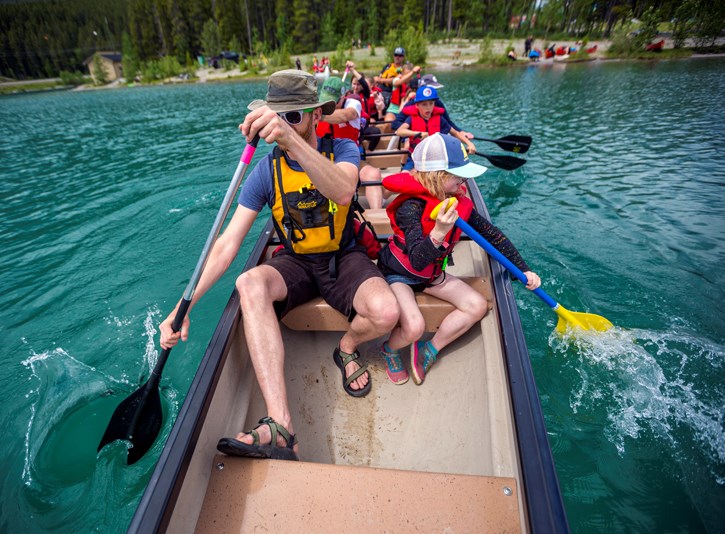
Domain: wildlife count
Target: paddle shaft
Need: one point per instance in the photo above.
(206, 251)
(504, 162)
(503, 260)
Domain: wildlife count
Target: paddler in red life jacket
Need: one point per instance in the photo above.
(361, 88)
(400, 88)
(345, 123)
(425, 119)
(415, 258)
(431, 81)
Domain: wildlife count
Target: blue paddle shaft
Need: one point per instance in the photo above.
(503, 260)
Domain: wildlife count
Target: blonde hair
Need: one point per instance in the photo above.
(433, 181)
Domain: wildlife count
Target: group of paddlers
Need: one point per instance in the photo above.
(401, 101)
(309, 181)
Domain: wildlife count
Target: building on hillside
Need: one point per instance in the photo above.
(111, 62)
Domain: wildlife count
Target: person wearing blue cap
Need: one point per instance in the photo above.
(425, 119)
(416, 256)
(431, 81)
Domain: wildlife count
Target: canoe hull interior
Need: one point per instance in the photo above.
(452, 452)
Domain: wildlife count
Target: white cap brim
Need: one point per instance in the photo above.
(469, 170)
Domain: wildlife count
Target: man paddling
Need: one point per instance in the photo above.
(310, 194)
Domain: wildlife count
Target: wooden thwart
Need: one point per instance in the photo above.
(318, 315)
(276, 496)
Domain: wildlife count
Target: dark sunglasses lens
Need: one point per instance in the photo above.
(293, 117)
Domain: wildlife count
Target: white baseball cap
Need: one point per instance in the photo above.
(443, 152)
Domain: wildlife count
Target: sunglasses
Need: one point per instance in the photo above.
(294, 117)
(399, 55)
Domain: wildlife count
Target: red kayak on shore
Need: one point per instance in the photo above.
(655, 47)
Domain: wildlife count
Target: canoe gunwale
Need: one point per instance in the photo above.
(157, 503)
(544, 504)
(540, 484)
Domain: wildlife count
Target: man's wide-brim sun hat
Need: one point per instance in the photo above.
(443, 152)
(292, 90)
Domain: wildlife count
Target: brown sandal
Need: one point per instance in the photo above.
(234, 447)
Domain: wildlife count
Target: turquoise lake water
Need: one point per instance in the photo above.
(108, 196)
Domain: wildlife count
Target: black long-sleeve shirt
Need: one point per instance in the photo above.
(421, 250)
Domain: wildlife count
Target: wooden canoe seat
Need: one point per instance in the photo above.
(247, 495)
(318, 315)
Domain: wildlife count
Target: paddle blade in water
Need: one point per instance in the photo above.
(514, 143)
(138, 420)
(584, 321)
(508, 163)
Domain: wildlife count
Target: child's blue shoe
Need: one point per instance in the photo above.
(396, 372)
(422, 358)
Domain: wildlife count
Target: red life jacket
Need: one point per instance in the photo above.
(396, 96)
(340, 131)
(419, 124)
(409, 187)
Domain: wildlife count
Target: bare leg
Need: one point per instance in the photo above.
(470, 305)
(258, 289)
(374, 195)
(412, 324)
(377, 313)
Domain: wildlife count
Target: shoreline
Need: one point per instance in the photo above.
(455, 55)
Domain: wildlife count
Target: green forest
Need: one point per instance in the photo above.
(45, 37)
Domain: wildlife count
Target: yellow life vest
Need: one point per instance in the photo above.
(390, 72)
(306, 221)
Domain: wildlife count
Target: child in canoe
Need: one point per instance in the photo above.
(416, 255)
(425, 119)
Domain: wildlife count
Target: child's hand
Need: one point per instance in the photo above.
(445, 221)
(534, 280)
(471, 148)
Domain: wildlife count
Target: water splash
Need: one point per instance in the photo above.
(70, 406)
(648, 382)
(151, 355)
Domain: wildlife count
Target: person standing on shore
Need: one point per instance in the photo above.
(527, 45)
(320, 256)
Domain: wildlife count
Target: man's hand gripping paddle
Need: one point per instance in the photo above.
(138, 418)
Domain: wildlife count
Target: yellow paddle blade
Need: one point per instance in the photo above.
(585, 321)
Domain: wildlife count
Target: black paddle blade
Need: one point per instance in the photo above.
(138, 420)
(508, 163)
(511, 143)
(515, 143)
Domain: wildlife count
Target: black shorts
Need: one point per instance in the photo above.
(307, 277)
